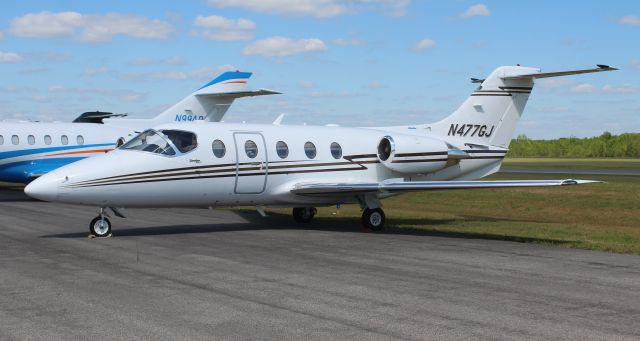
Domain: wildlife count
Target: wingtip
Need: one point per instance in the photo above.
(606, 67)
(568, 182)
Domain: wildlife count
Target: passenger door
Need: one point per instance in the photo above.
(251, 163)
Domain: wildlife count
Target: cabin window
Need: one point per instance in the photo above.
(80, 140)
(64, 140)
(336, 150)
(31, 139)
(282, 149)
(15, 139)
(184, 141)
(47, 140)
(218, 148)
(1, 140)
(251, 149)
(152, 142)
(310, 150)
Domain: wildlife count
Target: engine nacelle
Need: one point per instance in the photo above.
(413, 154)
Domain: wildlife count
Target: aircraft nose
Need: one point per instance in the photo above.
(43, 188)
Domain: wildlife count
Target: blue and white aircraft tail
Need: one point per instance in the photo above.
(209, 103)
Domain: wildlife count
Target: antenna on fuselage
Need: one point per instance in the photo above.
(278, 119)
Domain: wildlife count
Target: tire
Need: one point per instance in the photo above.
(304, 214)
(373, 219)
(100, 230)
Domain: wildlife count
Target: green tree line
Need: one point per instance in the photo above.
(605, 145)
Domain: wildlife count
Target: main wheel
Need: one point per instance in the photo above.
(373, 219)
(304, 214)
(100, 227)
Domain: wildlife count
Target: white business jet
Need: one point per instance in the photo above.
(206, 165)
(30, 149)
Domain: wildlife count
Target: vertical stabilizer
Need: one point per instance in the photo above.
(490, 115)
(211, 101)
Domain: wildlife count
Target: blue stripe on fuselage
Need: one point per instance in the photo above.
(24, 171)
(22, 152)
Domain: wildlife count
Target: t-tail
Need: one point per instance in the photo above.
(211, 101)
(489, 116)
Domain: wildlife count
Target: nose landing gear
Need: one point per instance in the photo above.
(100, 226)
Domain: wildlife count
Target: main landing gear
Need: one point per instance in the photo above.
(372, 214)
(100, 226)
(304, 214)
(373, 219)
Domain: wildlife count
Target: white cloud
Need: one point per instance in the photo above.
(584, 88)
(90, 72)
(175, 60)
(375, 85)
(282, 47)
(88, 28)
(307, 84)
(587, 88)
(550, 83)
(10, 57)
(334, 94)
(219, 22)
(479, 10)
(634, 64)
(348, 42)
(424, 44)
(123, 95)
(197, 74)
(17, 89)
(316, 8)
(622, 89)
(223, 29)
(631, 20)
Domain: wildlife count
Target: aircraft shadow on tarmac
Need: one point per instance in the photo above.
(276, 221)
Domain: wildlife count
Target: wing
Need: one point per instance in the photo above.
(407, 186)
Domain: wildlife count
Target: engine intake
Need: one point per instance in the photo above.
(413, 154)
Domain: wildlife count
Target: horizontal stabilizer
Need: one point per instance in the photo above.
(599, 68)
(407, 186)
(239, 94)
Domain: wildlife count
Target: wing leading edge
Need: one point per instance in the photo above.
(407, 186)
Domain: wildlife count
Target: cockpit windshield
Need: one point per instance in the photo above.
(150, 141)
(163, 142)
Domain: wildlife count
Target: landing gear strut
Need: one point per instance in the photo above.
(373, 219)
(304, 214)
(100, 226)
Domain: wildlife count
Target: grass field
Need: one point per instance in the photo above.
(568, 164)
(603, 216)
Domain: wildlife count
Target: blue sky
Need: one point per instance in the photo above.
(349, 62)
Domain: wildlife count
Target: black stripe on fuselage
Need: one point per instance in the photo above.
(420, 154)
(226, 168)
(516, 88)
(124, 182)
(233, 170)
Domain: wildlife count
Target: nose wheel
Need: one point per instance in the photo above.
(304, 214)
(100, 226)
(373, 219)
